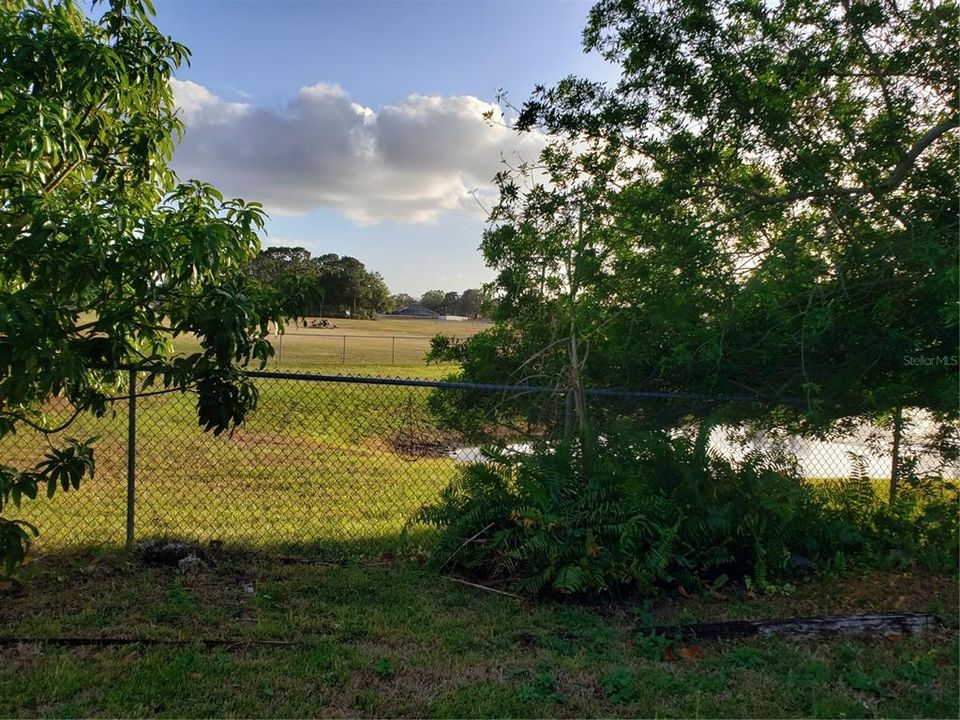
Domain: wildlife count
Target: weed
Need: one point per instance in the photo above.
(542, 688)
(383, 667)
(620, 685)
(651, 645)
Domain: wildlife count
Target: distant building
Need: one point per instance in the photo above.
(416, 310)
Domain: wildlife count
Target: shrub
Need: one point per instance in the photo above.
(644, 508)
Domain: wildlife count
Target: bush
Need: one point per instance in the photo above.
(643, 508)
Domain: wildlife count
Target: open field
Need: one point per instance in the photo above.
(316, 464)
(357, 342)
(397, 640)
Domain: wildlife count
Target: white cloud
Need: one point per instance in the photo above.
(409, 162)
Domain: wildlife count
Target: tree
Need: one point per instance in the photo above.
(471, 303)
(765, 204)
(433, 299)
(327, 284)
(272, 262)
(373, 296)
(451, 303)
(349, 288)
(400, 300)
(772, 200)
(104, 254)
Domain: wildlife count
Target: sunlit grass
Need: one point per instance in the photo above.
(316, 463)
(397, 344)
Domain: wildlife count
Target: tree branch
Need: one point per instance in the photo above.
(895, 178)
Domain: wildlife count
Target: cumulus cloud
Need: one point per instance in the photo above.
(406, 162)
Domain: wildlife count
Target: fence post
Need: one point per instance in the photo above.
(895, 459)
(131, 453)
(393, 352)
(568, 417)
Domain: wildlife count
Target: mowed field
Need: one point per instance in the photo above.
(327, 468)
(396, 343)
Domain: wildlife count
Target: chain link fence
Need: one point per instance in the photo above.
(328, 348)
(332, 465)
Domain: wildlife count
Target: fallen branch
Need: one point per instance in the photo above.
(483, 587)
(465, 543)
(869, 624)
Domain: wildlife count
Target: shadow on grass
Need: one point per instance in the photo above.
(415, 544)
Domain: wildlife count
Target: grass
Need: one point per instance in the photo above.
(397, 640)
(327, 464)
(390, 343)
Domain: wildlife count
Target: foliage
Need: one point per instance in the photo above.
(104, 253)
(273, 262)
(339, 286)
(656, 509)
(919, 524)
(433, 299)
(400, 300)
(469, 304)
(764, 203)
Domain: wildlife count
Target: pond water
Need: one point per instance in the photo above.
(866, 445)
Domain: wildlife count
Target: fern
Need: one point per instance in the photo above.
(655, 508)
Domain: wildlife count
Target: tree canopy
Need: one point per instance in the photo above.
(104, 253)
(472, 303)
(344, 285)
(764, 204)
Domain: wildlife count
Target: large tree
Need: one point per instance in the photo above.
(351, 289)
(104, 253)
(326, 284)
(764, 204)
(470, 303)
(273, 262)
(433, 299)
(401, 300)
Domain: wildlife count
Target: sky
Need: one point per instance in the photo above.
(359, 124)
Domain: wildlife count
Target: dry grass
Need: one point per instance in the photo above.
(394, 343)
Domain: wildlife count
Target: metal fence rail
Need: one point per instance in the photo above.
(293, 348)
(298, 347)
(326, 463)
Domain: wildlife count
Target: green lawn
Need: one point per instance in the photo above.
(396, 640)
(334, 465)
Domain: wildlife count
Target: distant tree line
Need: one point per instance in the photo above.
(472, 303)
(346, 287)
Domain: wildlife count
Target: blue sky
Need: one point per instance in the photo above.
(359, 123)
